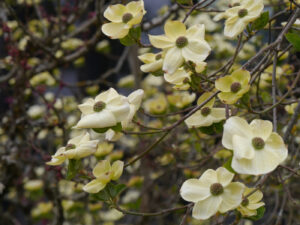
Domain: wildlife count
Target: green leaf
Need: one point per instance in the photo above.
(117, 128)
(189, 2)
(102, 195)
(227, 165)
(262, 21)
(260, 213)
(135, 33)
(115, 190)
(73, 168)
(127, 40)
(294, 39)
(218, 127)
(101, 130)
(158, 73)
(132, 37)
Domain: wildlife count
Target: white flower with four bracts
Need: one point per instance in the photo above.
(122, 18)
(207, 115)
(104, 173)
(256, 149)
(78, 147)
(213, 192)
(181, 44)
(239, 16)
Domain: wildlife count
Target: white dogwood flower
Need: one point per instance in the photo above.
(213, 192)
(256, 149)
(181, 44)
(240, 15)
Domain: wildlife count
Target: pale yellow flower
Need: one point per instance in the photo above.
(207, 115)
(42, 78)
(36, 111)
(180, 79)
(106, 110)
(33, 185)
(291, 108)
(153, 62)
(233, 86)
(256, 149)
(181, 44)
(77, 147)
(104, 148)
(104, 173)
(213, 192)
(122, 18)
(156, 105)
(41, 209)
(250, 204)
(72, 44)
(239, 16)
(181, 99)
(134, 100)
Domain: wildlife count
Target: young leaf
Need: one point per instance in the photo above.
(127, 40)
(135, 33)
(73, 168)
(262, 21)
(114, 190)
(102, 196)
(100, 130)
(260, 213)
(227, 165)
(117, 128)
(294, 39)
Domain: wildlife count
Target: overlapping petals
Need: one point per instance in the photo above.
(239, 16)
(181, 44)
(79, 147)
(122, 18)
(256, 149)
(104, 173)
(213, 192)
(233, 86)
(207, 115)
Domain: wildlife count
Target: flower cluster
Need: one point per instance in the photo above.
(102, 114)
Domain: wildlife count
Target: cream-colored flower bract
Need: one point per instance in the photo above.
(239, 16)
(180, 79)
(251, 203)
(233, 86)
(181, 44)
(256, 149)
(135, 100)
(153, 62)
(78, 147)
(207, 115)
(104, 173)
(213, 192)
(106, 110)
(181, 99)
(122, 18)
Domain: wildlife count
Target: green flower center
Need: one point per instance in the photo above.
(245, 202)
(242, 13)
(181, 42)
(216, 189)
(99, 106)
(70, 146)
(158, 57)
(205, 111)
(127, 17)
(258, 143)
(235, 87)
